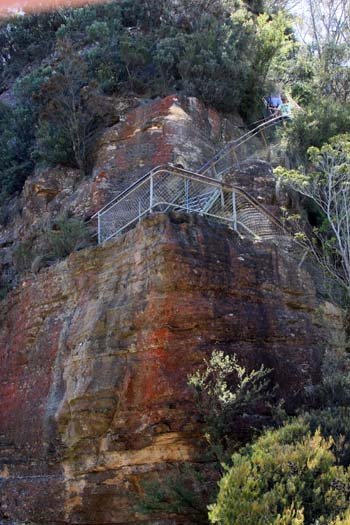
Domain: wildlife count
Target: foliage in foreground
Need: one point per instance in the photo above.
(288, 476)
(297, 474)
(225, 391)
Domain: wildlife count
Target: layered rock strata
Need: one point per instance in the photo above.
(95, 354)
(179, 130)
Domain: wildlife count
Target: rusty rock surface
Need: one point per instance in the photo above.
(95, 354)
(174, 129)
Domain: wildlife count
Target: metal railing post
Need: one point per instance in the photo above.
(99, 227)
(151, 193)
(186, 194)
(234, 211)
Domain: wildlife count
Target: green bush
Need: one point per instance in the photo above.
(288, 476)
(53, 145)
(17, 137)
(185, 491)
(314, 126)
(67, 236)
(335, 422)
(332, 399)
(226, 394)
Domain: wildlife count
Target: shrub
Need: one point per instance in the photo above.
(67, 236)
(17, 136)
(335, 422)
(23, 255)
(53, 145)
(332, 399)
(288, 476)
(225, 392)
(186, 491)
(314, 126)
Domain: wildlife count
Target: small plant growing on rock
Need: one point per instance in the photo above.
(187, 491)
(23, 255)
(226, 395)
(50, 244)
(67, 236)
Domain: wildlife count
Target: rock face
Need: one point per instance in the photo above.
(95, 354)
(175, 129)
(180, 130)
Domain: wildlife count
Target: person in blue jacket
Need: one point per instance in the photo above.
(272, 103)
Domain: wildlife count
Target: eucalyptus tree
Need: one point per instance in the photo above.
(328, 187)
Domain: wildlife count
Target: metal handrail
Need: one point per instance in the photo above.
(155, 179)
(170, 169)
(211, 162)
(236, 143)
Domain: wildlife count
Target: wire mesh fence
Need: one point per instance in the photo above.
(163, 189)
(240, 149)
(176, 189)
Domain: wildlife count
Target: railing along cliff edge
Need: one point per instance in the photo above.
(170, 187)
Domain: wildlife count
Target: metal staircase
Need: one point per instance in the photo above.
(203, 192)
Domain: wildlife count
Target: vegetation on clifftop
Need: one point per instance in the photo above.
(56, 65)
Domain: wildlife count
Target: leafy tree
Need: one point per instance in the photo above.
(17, 136)
(17, 131)
(271, 47)
(318, 122)
(69, 119)
(225, 392)
(329, 188)
(288, 476)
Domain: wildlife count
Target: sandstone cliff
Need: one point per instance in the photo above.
(95, 354)
(95, 351)
(174, 129)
